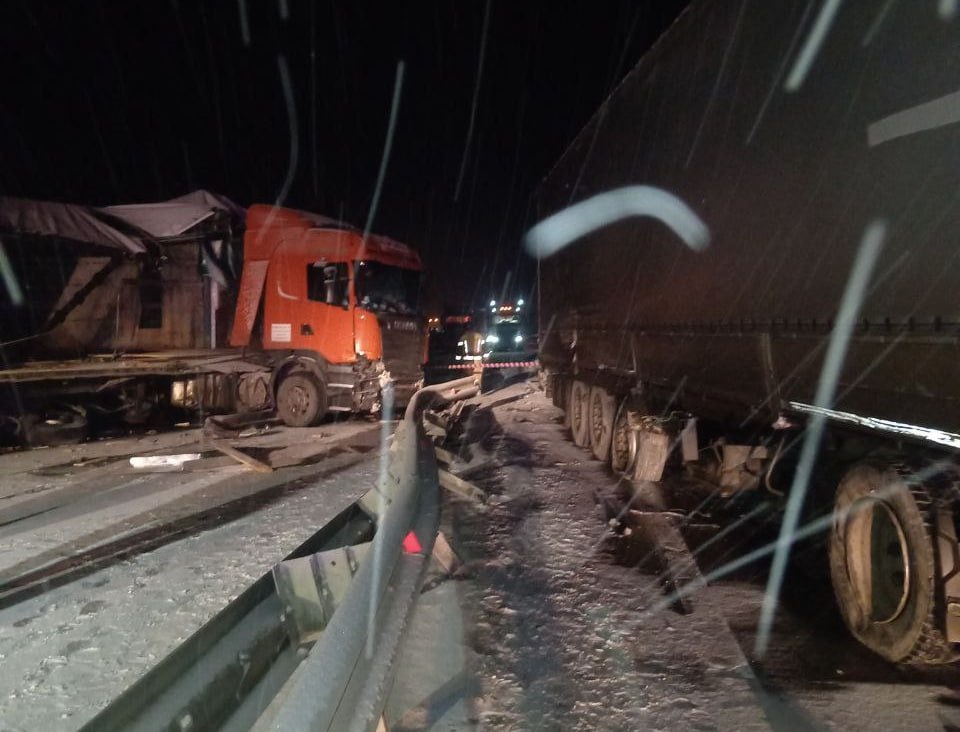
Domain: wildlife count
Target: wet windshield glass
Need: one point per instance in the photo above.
(383, 288)
(680, 277)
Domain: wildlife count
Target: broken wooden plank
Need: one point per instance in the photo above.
(445, 456)
(444, 554)
(241, 457)
(461, 487)
(661, 531)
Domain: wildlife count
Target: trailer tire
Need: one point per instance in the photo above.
(578, 408)
(883, 565)
(603, 408)
(301, 400)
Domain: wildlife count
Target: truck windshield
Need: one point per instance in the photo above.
(384, 288)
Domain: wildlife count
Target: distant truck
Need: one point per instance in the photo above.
(157, 312)
(649, 345)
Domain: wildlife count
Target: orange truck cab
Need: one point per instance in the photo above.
(335, 313)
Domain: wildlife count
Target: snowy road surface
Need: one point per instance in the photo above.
(558, 633)
(59, 503)
(547, 625)
(65, 654)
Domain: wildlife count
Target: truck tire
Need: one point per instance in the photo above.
(301, 400)
(883, 565)
(60, 428)
(579, 410)
(602, 411)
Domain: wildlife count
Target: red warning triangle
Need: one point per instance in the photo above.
(411, 544)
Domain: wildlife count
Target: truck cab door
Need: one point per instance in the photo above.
(307, 306)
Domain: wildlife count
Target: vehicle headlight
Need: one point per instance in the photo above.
(492, 339)
(518, 338)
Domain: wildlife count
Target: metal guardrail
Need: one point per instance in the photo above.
(249, 668)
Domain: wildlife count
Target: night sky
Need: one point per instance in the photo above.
(115, 101)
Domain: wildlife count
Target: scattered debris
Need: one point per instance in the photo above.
(257, 431)
(241, 457)
(245, 424)
(163, 463)
(462, 488)
(679, 569)
(444, 554)
(445, 456)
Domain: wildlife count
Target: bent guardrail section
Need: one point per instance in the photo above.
(311, 645)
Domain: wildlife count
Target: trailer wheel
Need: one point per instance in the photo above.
(579, 410)
(883, 566)
(601, 414)
(301, 400)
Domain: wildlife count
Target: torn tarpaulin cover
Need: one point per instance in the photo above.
(65, 220)
(176, 216)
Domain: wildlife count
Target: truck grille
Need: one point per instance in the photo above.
(402, 352)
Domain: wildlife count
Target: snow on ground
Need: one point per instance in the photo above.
(131, 498)
(561, 637)
(559, 631)
(65, 654)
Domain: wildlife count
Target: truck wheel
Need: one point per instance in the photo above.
(301, 400)
(883, 566)
(58, 428)
(602, 411)
(623, 442)
(579, 410)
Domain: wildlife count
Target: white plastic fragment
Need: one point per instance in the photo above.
(163, 463)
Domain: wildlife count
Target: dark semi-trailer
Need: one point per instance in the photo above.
(805, 136)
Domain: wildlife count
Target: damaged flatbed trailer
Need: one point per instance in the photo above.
(160, 315)
(817, 335)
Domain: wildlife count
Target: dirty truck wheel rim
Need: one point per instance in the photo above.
(621, 450)
(299, 400)
(881, 585)
(596, 418)
(577, 412)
